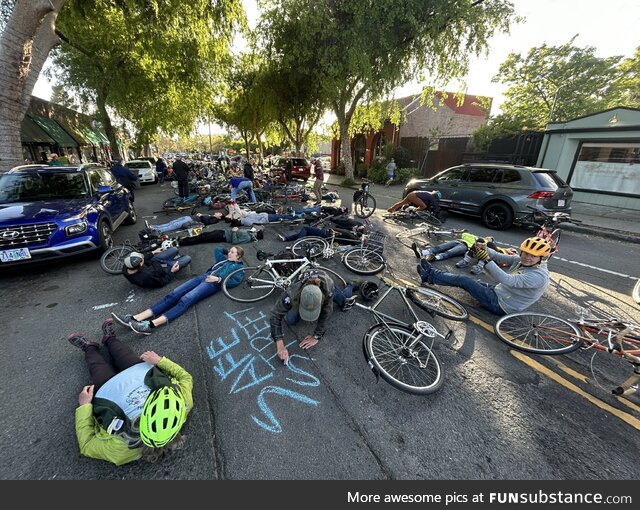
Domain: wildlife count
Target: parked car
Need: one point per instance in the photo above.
(152, 159)
(48, 212)
(145, 170)
(499, 194)
(300, 169)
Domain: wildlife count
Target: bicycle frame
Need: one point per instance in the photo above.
(283, 282)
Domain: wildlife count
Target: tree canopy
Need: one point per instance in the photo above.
(362, 49)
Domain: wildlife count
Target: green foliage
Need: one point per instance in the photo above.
(555, 83)
(625, 90)
(500, 126)
(401, 156)
(360, 50)
(406, 174)
(377, 173)
(349, 182)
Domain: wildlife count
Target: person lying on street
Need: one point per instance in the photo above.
(155, 269)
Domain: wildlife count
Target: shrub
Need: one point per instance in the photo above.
(401, 155)
(406, 174)
(348, 182)
(377, 173)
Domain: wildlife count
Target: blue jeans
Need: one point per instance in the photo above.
(176, 224)
(308, 231)
(246, 185)
(339, 298)
(449, 249)
(168, 257)
(174, 304)
(482, 292)
(161, 177)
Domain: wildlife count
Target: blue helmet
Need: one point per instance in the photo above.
(437, 193)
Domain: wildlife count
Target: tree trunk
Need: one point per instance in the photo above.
(24, 46)
(101, 104)
(345, 149)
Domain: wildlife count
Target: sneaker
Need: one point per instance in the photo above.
(125, 320)
(141, 327)
(79, 341)
(108, 330)
(281, 237)
(462, 263)
(416, 250)
(348, 303)
(476, 269)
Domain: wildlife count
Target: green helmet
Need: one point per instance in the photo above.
(163, 415)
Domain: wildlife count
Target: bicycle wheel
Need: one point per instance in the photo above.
(301, 247)
(338, 280)
(538, 333)
(636, 292)
(403, 361)
(112, 260)
(365, 206)
(363, 261)
(433, 301)
(257, 284)
(429, 218)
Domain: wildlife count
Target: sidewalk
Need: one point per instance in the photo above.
(598, 220)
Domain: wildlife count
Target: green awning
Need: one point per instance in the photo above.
(55, 131)
(90, 135)
(74, 131)
(31, 133)
(103, 136)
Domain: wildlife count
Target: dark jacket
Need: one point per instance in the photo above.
(248, 171)
(124, 176)
(161, 166)
(291, 299)
(180, 169)
(152, 275)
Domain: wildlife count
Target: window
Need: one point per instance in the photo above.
(608, 166)
(510, 175)
(455, 174)
(94, 178)
(480, 175)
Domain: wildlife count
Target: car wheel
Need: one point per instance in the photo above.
(105, 234)
(133, 216)
(497, 216)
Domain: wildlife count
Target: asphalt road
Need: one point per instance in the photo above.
(499, 415)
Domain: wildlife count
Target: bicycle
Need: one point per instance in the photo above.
(192, 203)
(541, 333)
(366, 259)
(411, 213)
(112, 260)
(402, 353)
(635, 293)
(261, 281)
(364, 204)
(548, 229)
(428, 230)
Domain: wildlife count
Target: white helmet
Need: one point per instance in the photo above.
(168, 243)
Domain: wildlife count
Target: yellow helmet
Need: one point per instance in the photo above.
(536, 246)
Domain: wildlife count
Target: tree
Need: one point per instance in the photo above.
(363, 49)
(625, 91)
(554, 83)
(153, 62)
(500, 126)
(26, 40)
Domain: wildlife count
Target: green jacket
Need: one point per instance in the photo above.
(97, 443)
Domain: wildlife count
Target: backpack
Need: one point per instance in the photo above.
(285, 268)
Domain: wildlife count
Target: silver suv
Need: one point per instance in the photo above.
(500, 194)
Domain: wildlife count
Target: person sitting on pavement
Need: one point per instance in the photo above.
(136, 406)
(423, 200)
(155, 269)
(310, 299)
(478, 265)
(177, 302)
(454, 248)
(517, 289)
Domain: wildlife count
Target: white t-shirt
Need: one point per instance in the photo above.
(128, 390)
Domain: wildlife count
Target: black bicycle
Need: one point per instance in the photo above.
(364, 204)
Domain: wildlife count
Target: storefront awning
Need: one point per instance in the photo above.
(74, 131)
(55, 131)
(31, 133)
(89, 134)
(103, 136)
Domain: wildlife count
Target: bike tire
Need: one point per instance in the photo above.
(365, 206)
(257, 284)
(636, 292)
(429, 218)
(302, 246)
(538, 333)
(555, 238)
(338, 280)
(411, 232)
(363, 261)
(414, 369)
(431, 300)
(112, 260)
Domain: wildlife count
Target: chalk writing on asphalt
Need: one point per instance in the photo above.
(245, 359)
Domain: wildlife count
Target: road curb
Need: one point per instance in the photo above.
(629, 237)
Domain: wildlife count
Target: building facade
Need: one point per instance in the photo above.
(598, 155)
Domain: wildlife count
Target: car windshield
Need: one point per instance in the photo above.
(138, 164)
(41, 186)
(549, 180)
(299, 162)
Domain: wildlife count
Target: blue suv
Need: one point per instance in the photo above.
(48, 212)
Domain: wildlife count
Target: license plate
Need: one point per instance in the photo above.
(12, 255)
(560, 203)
